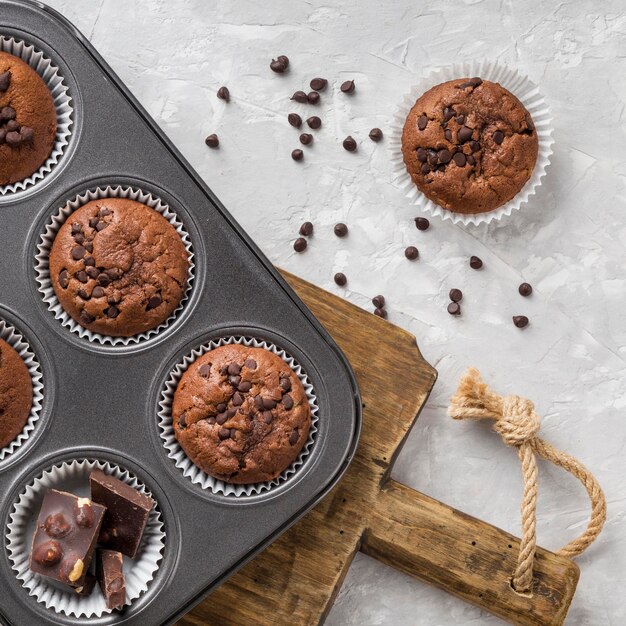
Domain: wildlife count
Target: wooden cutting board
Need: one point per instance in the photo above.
(295, 581)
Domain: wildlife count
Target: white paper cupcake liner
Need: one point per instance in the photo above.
(42, 260)
(520, 86)
(62, 103)
(73, 477)
(186, 465)
(15, 339)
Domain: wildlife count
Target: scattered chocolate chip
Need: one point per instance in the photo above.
(224, 433)
(297, 154)
(258, 402)
(287, 402)
(285, 384)
(299, 96)
(525, 289)
(234, 380)
(86, 318)
(64, 279)
(92, 272)
(89, 261)
(341, 230)
(244, 386)
(234, 369)
(93, 222)
(103, 212)
(411, 253)
(348, 86)
(422, 155)
(293, 438)
(422, 223)
(349, 144)
(521, 321)
(237, 399)
(456, 295)
(250, 364)
(5, 80)
(97, 292)
(475, 263)
(7, 113)
(295, 120)
(89, 246)
(444, 156)
(340, 279)
(27, 134)
(306, 230)
(318, 84)
(460, 120)
(422, 122)
(223, 94)
(381, 313)
(82, 276)
(103, 279)
(376, 134)
(448, 114)
(212, 141)
(464, 134)
(498, 137)
(460, 159)
(279, 65)
(112, 312)
(447, 134)
(221, 408)
(76, 228)
(471, 160)
(154, 302)
(300, 244)
(378, 301)
(474, 146)
(314, 122)
(267, 417)
(204, 370)
(306, 139)
(269, 404)
(313, 97)
(425, 169)
(472, 82)
(81, 293)
(182, 420)
(221, 417)
(101, 226)
(454, 308)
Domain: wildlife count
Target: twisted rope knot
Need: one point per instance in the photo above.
(519, 423)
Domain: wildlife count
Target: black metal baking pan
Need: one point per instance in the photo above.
(101, 401)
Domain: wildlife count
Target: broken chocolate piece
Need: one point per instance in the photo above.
(111, 578)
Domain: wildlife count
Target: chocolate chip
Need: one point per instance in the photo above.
(456, 295)
(13, 139)
(234, 369)
(314, 122)
(411, 253)
(48, 553)
(204, 370)
(472, 82)
(86, 318)
(237, 399)
(76, 228)
(224, 433)
(154, 302)
(297, 154)
(89, 246)
(223, 94)
(525, 289)
(313, 97)
(474, 146)
(460, 159)
(234, 380)
(299, 96)
(464, 134)
(447, 134)
(103, 212)
(422, 122)
(444, 156)
(267, 417)
(269, 404)
(81, 293)
(349, 144)
(212, 141)
(221, 418)
(101, 226)
(306, 139)
(376, 134)
(381, 313)
(378, 301)
(112, 312)
(293, 438)
(521, 321)
(5, 80)
(97, 292)
(7, 113)
(114, 299)
(89, 261)
(244, 386)
(318, 84)
(460, 120)
(250, 364)
(182, 420)
(285, 384)
(340, 279)
(306, 229)
(287, 402)
(211, 420)
(279, 65)
(471, 160)
(64, 279)
(295, 120)
(425, 169)
(103, 279)
(475, 263)
(348, 86)
(448, 114)
(498, 137)
(82, 276)
(93, 222)
(422, 155)
(300, 244)
(341, 230)
(454, 308)
(221, 408)
(27, 134)
(422, 223)
(92, 272)
(433, 159)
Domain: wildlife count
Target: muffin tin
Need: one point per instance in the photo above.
(100, 401)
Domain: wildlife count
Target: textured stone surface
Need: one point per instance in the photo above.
(569, 243)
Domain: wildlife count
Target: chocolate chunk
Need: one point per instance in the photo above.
(244, 386)
(103, 212)
(7, 113)
(313, 97)
(269, 404)
(251, 364)
(380, 312)
(299, 96)
(221, 408)
(448, 114)
(154, 301)
(411, 253)
(258, 402)
(472, 82)
(204, 370)
(297, 154)
(293, 438)
(474, 146)
(67, 557)
(76, 228)
(521, 321)
(340, 279)
(81, 293)
(89, 261)
(112, 312)
(86, 318)
(287, 402)
(267, 417)
(454, 308)
(498, 137)
(110, 575)
(300, 244)
(223, 94)
(376, 134)
(456, 295)
(221, 418)
(422, 122)
(27, 134)
(280, 64)
(447, 134)
(92, 272)
(464, 134)
(234, 369)
(127, 512)
(318, 84)
(471, 160)
(295, 120)
(460, 159)
(64, 279)
(89, 246)
(422, 155)
(525, 289)
(82, 276)
(212, 141)
(378, 301)
(93, 222)
(285, 384)
(444, 156)
(341, 230)
(314, 122)
(224, 433)
(306, 229)
(349, 144)
(237, 399)
(460, 120)
(101, 226)
(306, 139)
(421, 223)
(78, 252)
(475, 263)
(5, 80)
(348, 86)
(425, 169)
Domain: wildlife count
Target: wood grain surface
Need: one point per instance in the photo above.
(295, 581)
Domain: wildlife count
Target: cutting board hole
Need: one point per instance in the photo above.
(473, 543)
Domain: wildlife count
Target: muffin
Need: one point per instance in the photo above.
(16, 394)
(469, 145)
(28, 121)
(241, 414)
(118, 267)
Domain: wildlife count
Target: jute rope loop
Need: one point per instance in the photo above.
(518, 424)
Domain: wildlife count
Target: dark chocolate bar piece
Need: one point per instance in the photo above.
(87, 587)
(65, 537)
(111, 578)
(126, 516)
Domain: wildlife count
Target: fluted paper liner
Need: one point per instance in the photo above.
(73, 477)
(520, 86)
(62, 103)
(16, 340)
(42, 260)
(186, 465)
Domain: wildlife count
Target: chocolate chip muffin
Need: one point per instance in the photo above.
(241, 414)
(469, 145)
(16, 394)
(28, 121)
(118, 267)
